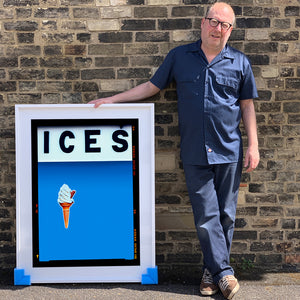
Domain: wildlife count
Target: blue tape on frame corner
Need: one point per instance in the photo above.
(20, 278)
(151, 277)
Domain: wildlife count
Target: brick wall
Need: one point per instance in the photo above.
(72, 51)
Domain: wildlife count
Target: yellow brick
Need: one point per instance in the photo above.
(164, 2)
(115, 12)
(269, 72)
(241, 198)
(260, 83)
(107, 25)
(165, 162)
(118, 2)
(115, 85)
(257, 35)
(182, 35)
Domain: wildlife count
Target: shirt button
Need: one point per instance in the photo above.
(209, 150)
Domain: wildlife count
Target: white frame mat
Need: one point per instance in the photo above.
(25, 273)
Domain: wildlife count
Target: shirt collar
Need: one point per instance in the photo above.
(225, 53)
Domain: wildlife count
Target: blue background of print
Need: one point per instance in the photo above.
(101, 218)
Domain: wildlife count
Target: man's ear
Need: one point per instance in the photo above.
(202, 22)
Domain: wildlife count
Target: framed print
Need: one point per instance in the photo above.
(85, 193)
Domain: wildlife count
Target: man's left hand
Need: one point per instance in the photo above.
(251, 159)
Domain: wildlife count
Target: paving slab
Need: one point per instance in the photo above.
(267, 286)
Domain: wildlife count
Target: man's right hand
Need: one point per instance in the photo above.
(100, 101)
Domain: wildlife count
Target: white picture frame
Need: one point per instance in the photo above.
(27, 271)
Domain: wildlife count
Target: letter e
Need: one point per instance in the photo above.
(89, 141)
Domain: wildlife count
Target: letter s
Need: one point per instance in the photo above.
(123, 142)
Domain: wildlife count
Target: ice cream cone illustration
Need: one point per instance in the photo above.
(65, 200)
(66, 212)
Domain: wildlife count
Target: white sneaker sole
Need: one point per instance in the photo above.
(234, 291)
(208, 293)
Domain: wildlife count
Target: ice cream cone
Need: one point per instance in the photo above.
(66, 212)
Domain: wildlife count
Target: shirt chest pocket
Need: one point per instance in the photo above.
(188, 87)
(230, 82)
(227, 86)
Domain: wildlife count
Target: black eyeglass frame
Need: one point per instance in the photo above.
(219, 22)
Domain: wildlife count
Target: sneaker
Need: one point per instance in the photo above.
(229, 286)
(207, 286)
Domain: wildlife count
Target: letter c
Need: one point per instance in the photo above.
(62, 139)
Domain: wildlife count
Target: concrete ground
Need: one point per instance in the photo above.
(279, 286)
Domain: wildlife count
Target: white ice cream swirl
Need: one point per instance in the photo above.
(64, 194)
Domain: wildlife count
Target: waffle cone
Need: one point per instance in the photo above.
(66, 212)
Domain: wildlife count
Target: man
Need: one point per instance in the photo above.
(215, 88)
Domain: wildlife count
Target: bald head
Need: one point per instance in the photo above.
(222, 6)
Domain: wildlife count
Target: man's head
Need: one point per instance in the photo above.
(216, 27)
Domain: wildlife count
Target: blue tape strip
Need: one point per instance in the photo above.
(151, 277)
(20, 278)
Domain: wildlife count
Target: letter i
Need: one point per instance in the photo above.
(46, 141)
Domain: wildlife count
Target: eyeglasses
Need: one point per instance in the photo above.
(214, 23)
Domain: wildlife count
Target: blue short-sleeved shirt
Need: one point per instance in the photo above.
(209, 98)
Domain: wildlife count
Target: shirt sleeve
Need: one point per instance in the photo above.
(248, 89)
(164, 74)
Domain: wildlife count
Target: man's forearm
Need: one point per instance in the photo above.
(140, 92)
(249, 120)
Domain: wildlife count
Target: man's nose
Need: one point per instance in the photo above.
(219, 28)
